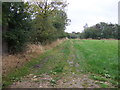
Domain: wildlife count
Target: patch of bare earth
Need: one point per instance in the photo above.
(76, 81)
(44, 81)
(33, 81)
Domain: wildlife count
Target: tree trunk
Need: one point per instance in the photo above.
(4, 43)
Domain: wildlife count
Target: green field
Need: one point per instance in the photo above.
(96, 58)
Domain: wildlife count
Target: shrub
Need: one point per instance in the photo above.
(16, 40)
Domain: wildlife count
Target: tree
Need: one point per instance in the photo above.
(101, 30)
(50, 20)
(34, 22)
(16, 24)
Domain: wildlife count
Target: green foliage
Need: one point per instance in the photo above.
(38, 22)
(73, 35)
(58, 69)
(103, 85)
(50, 21)
(101, 30)
(15, 15)
(16, 24)
(95, 77)
(53, 82)
(16, 40)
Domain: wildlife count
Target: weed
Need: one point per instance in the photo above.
(58, 69)
(53, 82)
(102, 85)
(98, 78)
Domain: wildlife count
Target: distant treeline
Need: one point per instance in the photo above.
(34, 22)
(98, 31)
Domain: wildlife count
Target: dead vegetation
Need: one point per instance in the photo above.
(12, 62)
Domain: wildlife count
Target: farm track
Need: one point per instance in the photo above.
(70, 76)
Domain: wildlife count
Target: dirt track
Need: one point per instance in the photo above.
(72, 78)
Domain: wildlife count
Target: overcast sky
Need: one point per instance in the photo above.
(91, 12)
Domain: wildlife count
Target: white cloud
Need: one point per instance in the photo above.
(93, 11)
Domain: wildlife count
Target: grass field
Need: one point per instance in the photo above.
(96, 58)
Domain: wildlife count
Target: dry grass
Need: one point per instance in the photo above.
(12, 62)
